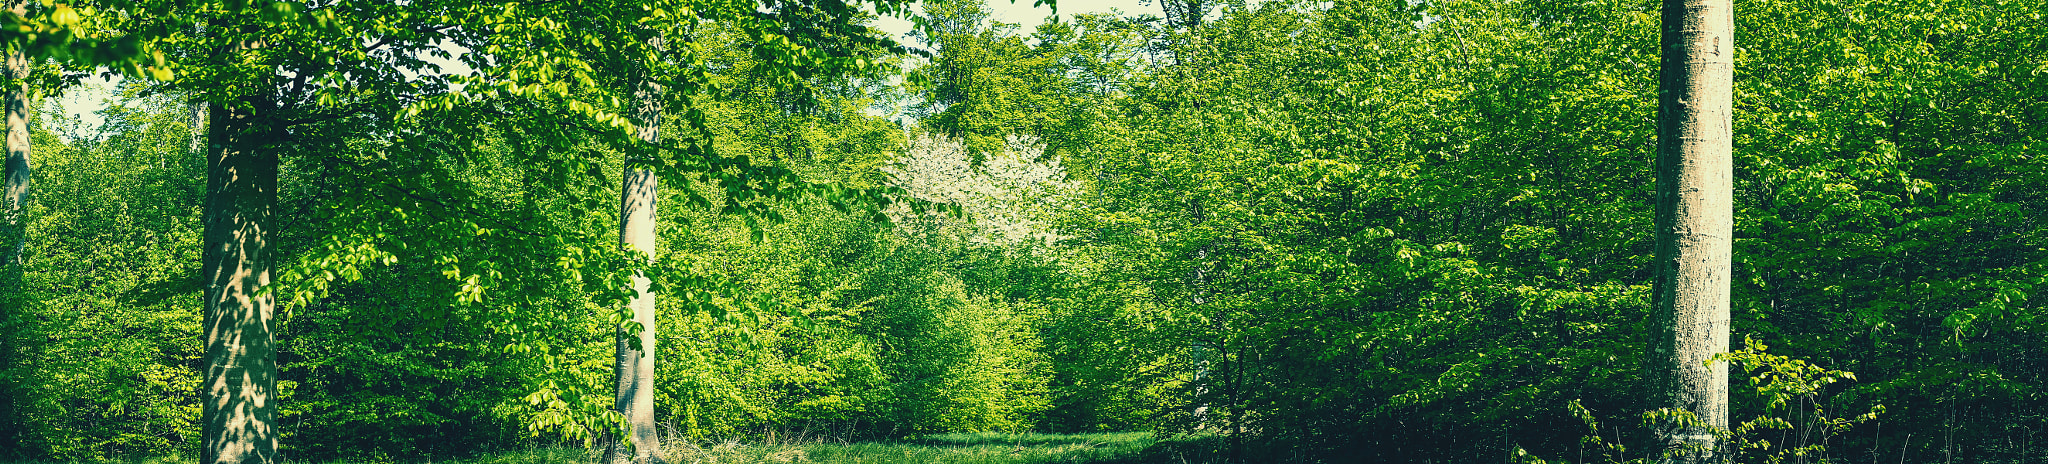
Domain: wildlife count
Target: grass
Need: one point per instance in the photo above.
(958, 448)
(535, 456)
(955, 448)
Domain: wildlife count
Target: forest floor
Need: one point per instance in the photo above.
(957, 448)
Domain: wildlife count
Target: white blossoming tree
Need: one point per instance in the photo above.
(1003, 198)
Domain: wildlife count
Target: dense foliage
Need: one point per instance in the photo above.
(1317, 231)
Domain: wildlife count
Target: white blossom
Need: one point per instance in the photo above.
(1005, 199)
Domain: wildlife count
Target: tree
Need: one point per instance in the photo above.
(117, 232)
(638, 189)
(255, 115)
(238, 424)
(1694, 226)
(16, 199)
(13, 229)
(352, 70)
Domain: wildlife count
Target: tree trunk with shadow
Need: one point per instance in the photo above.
(635, 366)
(239, 391)
(13, 243)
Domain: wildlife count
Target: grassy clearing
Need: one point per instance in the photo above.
(956, 448)
(535, 456)
(960, 448)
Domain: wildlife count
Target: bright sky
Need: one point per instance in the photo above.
(1021, 12)
(85, 102)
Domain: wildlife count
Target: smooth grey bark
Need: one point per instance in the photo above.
(13, 241)
(1694, 225)
(238, 423)
(16, 195)
(635, 366)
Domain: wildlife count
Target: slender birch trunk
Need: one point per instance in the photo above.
(635, 368)
(1695, 218)
(239, 419)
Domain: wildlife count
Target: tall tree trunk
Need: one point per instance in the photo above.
(18, 170)
(13, 241)
(1695, 219)
(1198, 348)
(239, 419)
(635, 368)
